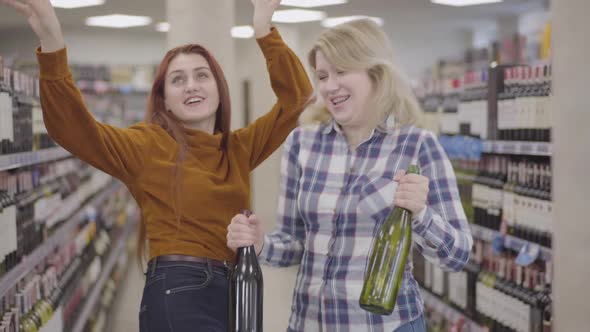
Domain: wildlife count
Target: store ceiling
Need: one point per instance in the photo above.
(442, 17)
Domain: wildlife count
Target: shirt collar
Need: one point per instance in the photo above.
(386, 127)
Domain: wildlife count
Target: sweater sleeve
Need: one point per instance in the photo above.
(119, 152)
(442, 232)
(292, 88)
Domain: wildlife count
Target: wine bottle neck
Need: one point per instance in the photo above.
(246, 251)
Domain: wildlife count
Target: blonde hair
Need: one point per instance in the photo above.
(363, 45)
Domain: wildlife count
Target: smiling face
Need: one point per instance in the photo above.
(345, 92)
(191, 92)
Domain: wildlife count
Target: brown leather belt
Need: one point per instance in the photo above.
(186, 258)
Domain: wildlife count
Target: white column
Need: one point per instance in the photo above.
(207, 23)
(571, 160)
(266, 178)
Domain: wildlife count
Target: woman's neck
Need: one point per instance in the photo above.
(207, 126)
(356, 135)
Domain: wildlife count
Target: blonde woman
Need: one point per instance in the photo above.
(340, 178)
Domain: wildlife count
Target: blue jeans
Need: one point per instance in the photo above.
(184, 296)
(417, 325)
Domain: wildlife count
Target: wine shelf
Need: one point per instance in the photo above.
(511, 242)
(28, 263)
(16, 160)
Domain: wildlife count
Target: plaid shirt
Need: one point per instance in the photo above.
(332, 202)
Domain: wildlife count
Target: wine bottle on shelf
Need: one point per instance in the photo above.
(547, 205)
(548, 110)
(518, 201)
(536, 310)
(497, 185)
(6, 126)
(22, 113)
(246, 292)
(508, 198)
(506, 104)
(539, 206)
(546, 299)
(527, 130)
(537, 104)
(387, 260)
(480, 199)
(531, 227)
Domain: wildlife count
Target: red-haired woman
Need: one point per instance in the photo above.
(187, 171)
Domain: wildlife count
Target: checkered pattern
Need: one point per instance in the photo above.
(332, 202)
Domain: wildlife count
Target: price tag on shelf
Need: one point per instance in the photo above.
(498, 243)
(528, 253)
(526, 148)
(544, 148)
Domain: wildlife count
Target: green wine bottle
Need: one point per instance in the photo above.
(387, 260)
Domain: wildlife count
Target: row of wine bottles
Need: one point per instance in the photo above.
(467, 105)
(493, 291)
(35, 200)
(21, 119)
(65, 277)
(512, 194)
(524, 112)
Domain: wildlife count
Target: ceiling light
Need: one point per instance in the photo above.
(311, 3)
(242, 31)
(76, 3)
(118, 21)
(461, 3)
(333, 21)
(297, 16)
(163, 26)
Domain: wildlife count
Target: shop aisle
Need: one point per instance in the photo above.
(125, 310)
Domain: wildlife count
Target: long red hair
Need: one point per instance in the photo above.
(158, 114)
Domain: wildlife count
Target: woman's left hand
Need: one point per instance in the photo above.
(263, 10)
(412, 191)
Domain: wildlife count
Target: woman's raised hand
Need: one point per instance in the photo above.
(263, 10)
(43, 20)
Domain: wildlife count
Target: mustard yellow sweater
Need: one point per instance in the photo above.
(214, 185)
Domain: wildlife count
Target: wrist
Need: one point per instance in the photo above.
(259, 245)
(261, 31)
(52, 44)
(419, 214)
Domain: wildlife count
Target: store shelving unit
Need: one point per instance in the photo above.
(29, 262)
(17, 160)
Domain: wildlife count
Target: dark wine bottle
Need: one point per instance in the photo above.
(246, 292)
(387, 260)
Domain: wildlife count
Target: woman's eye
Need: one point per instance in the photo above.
(177, 79)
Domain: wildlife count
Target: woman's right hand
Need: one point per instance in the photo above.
(43, 20)
(263, 11)
(245, 231)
